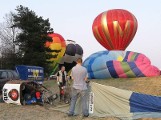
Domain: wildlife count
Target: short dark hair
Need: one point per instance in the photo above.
(62, 66)
(79, 60)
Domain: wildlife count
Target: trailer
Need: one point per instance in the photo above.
(31, 73)
(27, 92)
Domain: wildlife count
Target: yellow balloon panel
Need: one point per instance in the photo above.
(57, 46)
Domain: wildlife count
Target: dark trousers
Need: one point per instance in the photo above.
(62, 92)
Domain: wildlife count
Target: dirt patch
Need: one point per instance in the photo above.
(35, 112)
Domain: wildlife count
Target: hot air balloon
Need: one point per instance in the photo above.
(119, 64)
(115, 29)
(58, 47)
(72, 53)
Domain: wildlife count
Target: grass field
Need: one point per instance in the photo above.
(151, 85)
(147, 85)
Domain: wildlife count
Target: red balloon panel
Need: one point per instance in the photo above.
(115, 29)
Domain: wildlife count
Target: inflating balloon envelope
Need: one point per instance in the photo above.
(72, 53)
(58, 47)
(119, 64)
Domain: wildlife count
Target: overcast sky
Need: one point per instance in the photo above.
(73, 20)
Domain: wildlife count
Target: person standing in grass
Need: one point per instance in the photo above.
(79, 76)
(61, 81)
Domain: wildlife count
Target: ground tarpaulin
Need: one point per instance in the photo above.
(109, 101)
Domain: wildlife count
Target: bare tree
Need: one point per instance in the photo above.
(8, 47)
(8, 33)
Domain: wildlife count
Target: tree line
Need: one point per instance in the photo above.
(23, 35)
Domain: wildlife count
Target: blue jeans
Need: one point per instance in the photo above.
(84, 100)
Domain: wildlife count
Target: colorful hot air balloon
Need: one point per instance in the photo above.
(58, 47)
(72, 53)
(119, 64)
(115, 29)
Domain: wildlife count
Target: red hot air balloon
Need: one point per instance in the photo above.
(115, 29)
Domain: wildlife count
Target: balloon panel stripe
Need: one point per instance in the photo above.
(136, 70)
(133, 56)
(127, 70)
(118, 68)
(105, 30)
(126, 56)
(111, 69)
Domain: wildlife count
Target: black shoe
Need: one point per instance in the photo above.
(69, 114)
(86, 115)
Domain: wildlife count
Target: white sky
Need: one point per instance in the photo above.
(73, 20)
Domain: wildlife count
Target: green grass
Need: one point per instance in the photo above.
(148, 85)
(50, 83)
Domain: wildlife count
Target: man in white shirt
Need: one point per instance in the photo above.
(79, 75)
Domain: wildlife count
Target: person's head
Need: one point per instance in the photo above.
(62, 68)
(79, 61)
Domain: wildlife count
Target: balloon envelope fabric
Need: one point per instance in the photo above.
(108, 101)
(123, 104)
(58, 47)
(114, 29)
(72, 53)
(119, 64)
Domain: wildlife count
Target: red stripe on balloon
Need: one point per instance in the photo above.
(120, 72)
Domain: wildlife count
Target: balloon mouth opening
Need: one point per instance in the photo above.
(115, 49)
